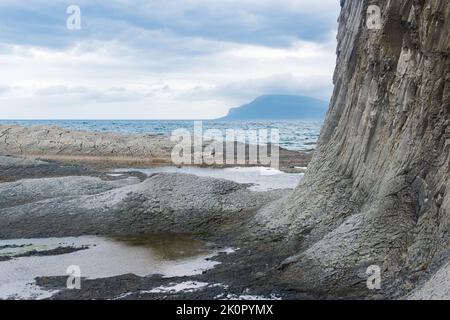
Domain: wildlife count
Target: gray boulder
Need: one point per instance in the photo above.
(175, 203)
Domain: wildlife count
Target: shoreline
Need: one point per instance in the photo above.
(75, 207)
(228, 219)
(108, 150)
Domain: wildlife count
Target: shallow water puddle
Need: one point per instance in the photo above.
(168, 255)
(262, 178)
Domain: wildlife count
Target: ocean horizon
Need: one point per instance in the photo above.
(294, 134)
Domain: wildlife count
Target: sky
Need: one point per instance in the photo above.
(161, 59)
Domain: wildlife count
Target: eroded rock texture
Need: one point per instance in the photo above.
(109, 149)
(174, 203)
(377, 190)
(51, 142)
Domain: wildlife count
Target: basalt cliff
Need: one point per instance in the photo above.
(377, 192)
(375, 200)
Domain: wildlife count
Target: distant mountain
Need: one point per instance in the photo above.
(279, 107)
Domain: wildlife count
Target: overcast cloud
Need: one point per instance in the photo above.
(161, 59)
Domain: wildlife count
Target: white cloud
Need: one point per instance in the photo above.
(128, 70)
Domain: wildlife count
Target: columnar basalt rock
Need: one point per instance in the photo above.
(377, 189)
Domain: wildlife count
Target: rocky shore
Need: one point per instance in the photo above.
(59, 183)
(97, 203)
(163, 202)
(376, 192)
(102, 150)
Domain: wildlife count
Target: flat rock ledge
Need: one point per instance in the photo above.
(102, 150)
(164, 202)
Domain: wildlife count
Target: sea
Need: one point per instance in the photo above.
(294, 134)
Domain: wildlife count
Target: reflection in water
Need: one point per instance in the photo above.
(168, 255)
(167, 246)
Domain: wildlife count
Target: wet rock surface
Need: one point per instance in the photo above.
(162, 202)
(240, 275)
